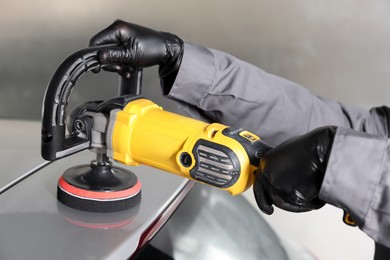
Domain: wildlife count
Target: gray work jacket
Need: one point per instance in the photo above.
(214, 86)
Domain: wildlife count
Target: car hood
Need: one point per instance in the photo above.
(19, 150)
(34, 224)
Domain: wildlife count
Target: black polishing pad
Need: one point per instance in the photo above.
(99, 188)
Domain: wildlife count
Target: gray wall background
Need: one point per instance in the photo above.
(337, 49)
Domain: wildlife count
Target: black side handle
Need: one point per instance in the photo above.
(131, 85)
(55, 144)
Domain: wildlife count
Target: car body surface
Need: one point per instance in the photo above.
(203, 222)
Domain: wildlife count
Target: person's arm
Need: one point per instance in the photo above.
(216, 86)
(343, 167)
(235, 93)
(358, 179)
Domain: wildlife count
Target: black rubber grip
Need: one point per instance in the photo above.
(57, 97)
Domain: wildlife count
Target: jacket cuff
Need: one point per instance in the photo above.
(353, 172)
(195, 75)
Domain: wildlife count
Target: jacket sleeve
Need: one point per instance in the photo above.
(357, 179)
(214, 86)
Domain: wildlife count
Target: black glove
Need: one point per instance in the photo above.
(139, 46)
(290, 176)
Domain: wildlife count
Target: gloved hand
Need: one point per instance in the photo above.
(290, 176)
(139, 47)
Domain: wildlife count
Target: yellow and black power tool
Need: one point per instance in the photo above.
(143, 133)
(133, 130)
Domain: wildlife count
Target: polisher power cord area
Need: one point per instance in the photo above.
(133, 130)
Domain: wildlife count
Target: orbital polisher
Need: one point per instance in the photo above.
(133, 130)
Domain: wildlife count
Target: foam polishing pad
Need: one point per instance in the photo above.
(99, 188)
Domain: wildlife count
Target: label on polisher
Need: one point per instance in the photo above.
(216, 164)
